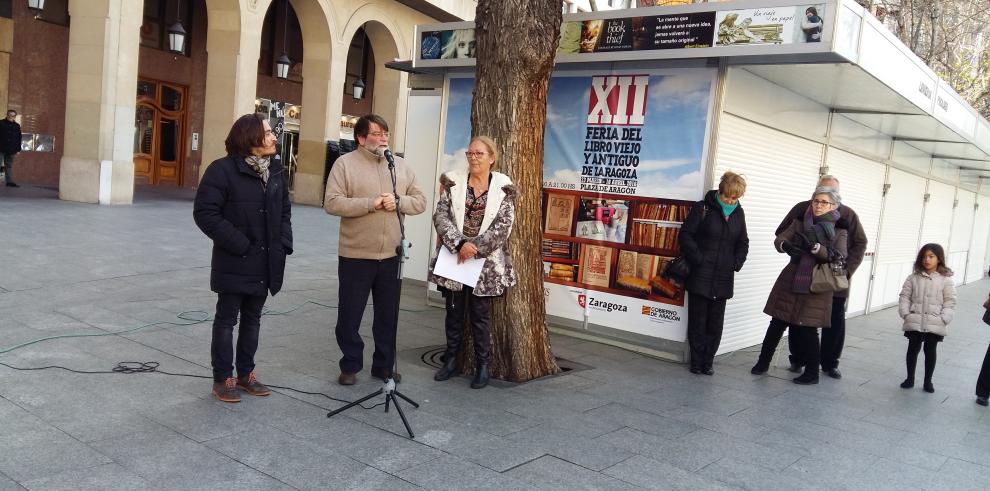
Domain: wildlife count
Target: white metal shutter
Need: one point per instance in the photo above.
(937, 222)
(962, 233)
(899, 233)
(780, 170)
(861, 184)
(977, 266)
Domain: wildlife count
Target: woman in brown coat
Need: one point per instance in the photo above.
(818, 237)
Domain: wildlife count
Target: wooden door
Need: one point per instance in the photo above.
(159, 141)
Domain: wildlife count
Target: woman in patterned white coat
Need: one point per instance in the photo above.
(473, 220)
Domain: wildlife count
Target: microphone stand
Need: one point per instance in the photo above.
(389, 385)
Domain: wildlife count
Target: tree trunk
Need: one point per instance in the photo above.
(516, 44)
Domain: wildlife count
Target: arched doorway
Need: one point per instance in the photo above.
(159, 129)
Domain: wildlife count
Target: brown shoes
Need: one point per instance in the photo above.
(347, 378)
(226, 391)
(251, 385)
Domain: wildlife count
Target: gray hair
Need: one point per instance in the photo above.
(828, 177)
(832, 193)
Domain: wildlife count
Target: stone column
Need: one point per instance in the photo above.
(6, 48)
(97, 161)
(321, 101)
(321, 109)
(233, 43)
(389, 100)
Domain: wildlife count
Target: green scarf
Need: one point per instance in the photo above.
(726, 209)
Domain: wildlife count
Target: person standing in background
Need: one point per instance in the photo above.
(833, 338)
(10, 144)
(713, 238)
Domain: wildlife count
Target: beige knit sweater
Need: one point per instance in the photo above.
(356, 180)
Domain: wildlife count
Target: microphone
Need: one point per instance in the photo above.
(391, 160)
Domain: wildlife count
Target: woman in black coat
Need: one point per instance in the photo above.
(713, 239)
(242, 204)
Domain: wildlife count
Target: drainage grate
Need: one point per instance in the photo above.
(432, 356)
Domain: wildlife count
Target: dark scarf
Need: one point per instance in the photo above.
(819, 229)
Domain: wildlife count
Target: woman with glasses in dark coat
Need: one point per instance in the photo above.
(817, 237)
(713, 238)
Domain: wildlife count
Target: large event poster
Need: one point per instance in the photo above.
(623, 161)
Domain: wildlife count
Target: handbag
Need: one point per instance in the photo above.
(679, 269)
(986, 314)
(829, 277)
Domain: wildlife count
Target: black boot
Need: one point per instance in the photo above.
(480, 377)
(809, 377)
(449, 367)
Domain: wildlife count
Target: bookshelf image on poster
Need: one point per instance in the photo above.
(612, 243)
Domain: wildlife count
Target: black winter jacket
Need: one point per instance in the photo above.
(10, 137)
(250, 226)
(715, 247)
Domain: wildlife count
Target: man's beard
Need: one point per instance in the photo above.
(378, 149)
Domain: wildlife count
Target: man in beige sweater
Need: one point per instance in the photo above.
(359, 191)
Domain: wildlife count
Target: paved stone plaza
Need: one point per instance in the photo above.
(626, 421)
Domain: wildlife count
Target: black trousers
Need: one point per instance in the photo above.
(358, 278)
(983, 382)
(834, 337)
(705, 319)
(917, 340)
(222, 345)
(480, 320)
(805, 345)
(771, 339)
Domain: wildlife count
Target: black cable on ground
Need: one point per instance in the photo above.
(129, 367)
(188, 319)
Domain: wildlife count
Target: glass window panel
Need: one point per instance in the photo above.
(56, 11)
(152, 8)
(168, 140)
(151, 33)
(171, 98)
(143, 130)
(146, 88)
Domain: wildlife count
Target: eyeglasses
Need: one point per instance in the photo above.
(475, 155)
(822, 202)
(378, 134)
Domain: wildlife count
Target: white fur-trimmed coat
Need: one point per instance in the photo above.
(493, 238)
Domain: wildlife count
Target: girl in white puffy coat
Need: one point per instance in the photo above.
(927, 304)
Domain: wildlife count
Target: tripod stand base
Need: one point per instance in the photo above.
(388, 389)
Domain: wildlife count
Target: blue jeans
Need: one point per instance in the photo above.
(7, 160)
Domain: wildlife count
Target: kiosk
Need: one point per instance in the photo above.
(647, 107)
